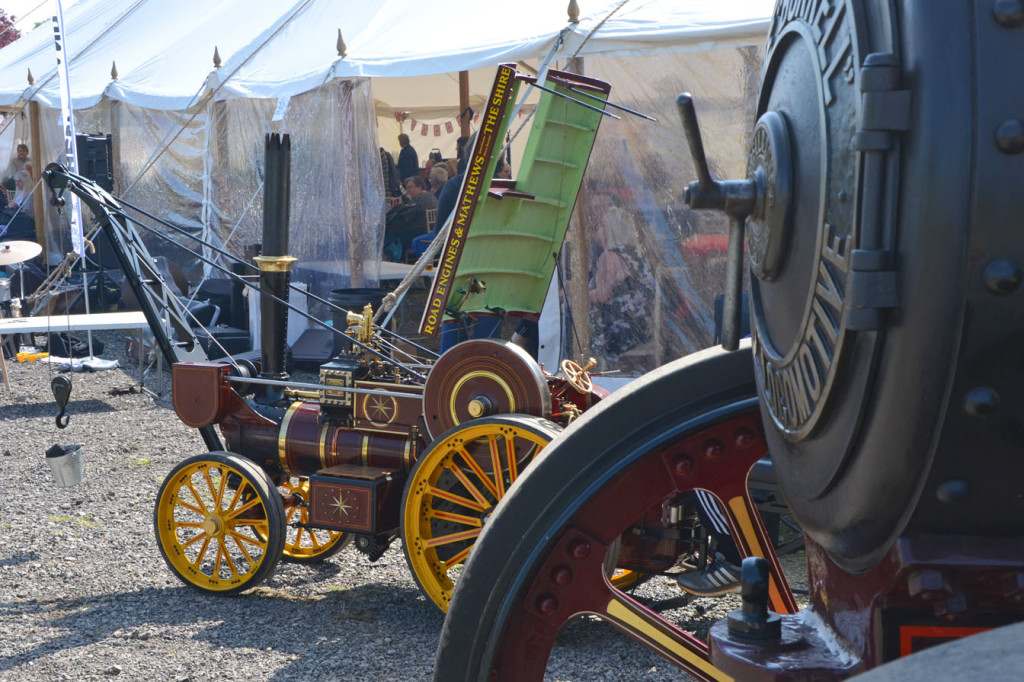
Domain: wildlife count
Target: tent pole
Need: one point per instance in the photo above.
(115, 145)
(576, 263)
(463, 103)
(36, 152)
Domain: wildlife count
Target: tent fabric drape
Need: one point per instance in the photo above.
(402, 58)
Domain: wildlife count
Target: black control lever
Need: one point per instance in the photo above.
(738, 199)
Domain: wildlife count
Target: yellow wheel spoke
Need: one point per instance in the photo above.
(258, 525)
(499, 480)
(650, 630)
(457, 559)
(243, 550)
(209, 485)
(513, 465)
(454, 537)
(219, 497)
(196, 510)
(245, 507)
(484, 478)
(457, 499)
(196, 538)
(223, 549)
(457, 518)
(217, 560)
(234, 500)
(202, 550)
(195, 494)
(473, 490)
(187, 524)
(251, 540)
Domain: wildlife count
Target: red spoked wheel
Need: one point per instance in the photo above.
(541, 560)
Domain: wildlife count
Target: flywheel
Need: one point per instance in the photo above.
(482, 378)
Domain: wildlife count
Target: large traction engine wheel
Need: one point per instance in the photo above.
(541, 560)
(304, 545)
(220, 523)
(453, 489)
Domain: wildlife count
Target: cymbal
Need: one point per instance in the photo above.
(16, 252)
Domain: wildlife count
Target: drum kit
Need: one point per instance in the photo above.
(14, 253)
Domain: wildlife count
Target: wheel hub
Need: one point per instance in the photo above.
(213, 525)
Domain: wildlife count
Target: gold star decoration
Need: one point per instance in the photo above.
(340, 505)
(380, 409)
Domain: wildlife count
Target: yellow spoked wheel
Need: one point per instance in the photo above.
(220, 523)
(305, 545)
(453, 489)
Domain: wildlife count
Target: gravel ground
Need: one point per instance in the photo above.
(85, 594)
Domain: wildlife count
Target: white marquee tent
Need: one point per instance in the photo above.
(188, 133)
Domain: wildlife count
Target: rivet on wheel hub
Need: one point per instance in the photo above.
(714, 449)
(744, 438)
(579, 550)
(546, 604)
(561, 576)
(683, 465)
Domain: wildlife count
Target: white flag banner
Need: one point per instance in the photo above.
(67, 123)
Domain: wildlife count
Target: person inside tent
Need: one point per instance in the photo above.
(408, 160)
(16, 164)
(17, 217)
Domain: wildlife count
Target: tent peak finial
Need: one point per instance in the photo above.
(31, 78)
(342, 49)
(113, 71)
(216, 58)
(574, 12)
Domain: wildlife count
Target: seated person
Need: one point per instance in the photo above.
(408, 220)
(419, 195)
(16, 164)
(438, 176)
(23, 193)
(16, 219)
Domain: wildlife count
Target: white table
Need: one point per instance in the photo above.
(134, 320)
(75, 323)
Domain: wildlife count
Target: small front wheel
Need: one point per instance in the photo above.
(220, 523)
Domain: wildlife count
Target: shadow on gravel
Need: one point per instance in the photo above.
(49, 409)
(309, 627)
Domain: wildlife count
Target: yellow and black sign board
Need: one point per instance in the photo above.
(479, 169)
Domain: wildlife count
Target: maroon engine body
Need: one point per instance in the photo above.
(361, 445)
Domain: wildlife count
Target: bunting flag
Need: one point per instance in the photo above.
(450, 126)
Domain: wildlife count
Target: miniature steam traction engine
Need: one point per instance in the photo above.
(883, 223)
(385, 444)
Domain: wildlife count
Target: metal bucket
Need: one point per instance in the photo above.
(66, 464)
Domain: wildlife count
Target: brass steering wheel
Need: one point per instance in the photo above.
(577, 376)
